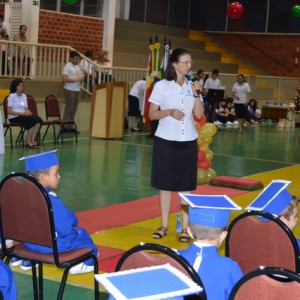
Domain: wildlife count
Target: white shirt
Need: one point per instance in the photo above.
(138, 90)
(86, 66)
(73, 72)
(17, 103)
(3, 27)
(241, 91)
(212, 84)
(170, 95)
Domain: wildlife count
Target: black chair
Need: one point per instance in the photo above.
(26, 216)
(267, 283)
(148, 254)
(48, 123)
(252, 243)
(53, 114)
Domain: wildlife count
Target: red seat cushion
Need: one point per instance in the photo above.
(237, 183)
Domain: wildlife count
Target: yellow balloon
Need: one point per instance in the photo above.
(204, 148)
(208, 140)
(211, 174)
(201, 176)
(205, 133)
(200, 140)
(209, 155)
(211, 128)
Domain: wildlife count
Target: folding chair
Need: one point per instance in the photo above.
(267, 283)
(53, 111)
(34, 111)
(8, 126)
(26, 216)
(252, 243)
(148, 254)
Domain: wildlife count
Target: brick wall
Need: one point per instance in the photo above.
(2, 7)
(79, 32)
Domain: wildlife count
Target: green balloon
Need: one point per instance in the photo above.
(296, 11)
(70, 1)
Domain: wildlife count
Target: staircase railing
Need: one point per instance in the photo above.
(46, 62)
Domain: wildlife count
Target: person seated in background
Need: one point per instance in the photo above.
(252, 113)
(221, 113)
(208, 218)
(103, 61)
(44, 167)
(231, 112)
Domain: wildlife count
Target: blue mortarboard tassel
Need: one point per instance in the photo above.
(178, 223)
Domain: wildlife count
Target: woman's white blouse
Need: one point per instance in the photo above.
(170, 95)
(241, 90)
(17, 103)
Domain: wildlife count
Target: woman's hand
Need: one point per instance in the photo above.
(196, 87)
(176, 114)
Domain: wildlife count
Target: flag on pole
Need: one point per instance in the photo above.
(165, 58)
(153, 75)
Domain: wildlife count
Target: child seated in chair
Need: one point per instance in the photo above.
(209, 216)
(279, 203)
(44, 167)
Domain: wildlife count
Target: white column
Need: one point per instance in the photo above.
(30, 18)
(108, 15)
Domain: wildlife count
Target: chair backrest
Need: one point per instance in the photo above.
(32, 105)
(148, 254)
(5, 107)
(26, 212)
(52, 107)
(252, 243)
(267, 283)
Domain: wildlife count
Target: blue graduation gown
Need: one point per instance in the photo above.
(69, 236)
(7, 282)
(218, 273)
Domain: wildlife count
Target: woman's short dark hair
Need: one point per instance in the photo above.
(170, 73)
(14, 84)
(21, 26)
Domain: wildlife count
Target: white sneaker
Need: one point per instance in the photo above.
(218, 123)
(228, 123)
(14, 262)
(81, 269)
(235, 123)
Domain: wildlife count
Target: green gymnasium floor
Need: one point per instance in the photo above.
(97, 173)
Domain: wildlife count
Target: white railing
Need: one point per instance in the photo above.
(44, 61)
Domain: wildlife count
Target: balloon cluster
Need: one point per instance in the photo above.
(235, 10)
(296, 11)
(206, 131)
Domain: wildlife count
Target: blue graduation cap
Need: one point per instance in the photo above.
(149, 283)
(273, 199)
(209, 210)
(40, 161)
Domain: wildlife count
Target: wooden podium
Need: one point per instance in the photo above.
(108, 110)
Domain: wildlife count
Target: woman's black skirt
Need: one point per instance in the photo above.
(27, 121)
(240, 111)
(133, 106)
(174, 165)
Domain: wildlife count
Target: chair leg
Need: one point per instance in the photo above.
(34, 282)
(63, 284)
(41, 283)
(96, 284)
(10, 136)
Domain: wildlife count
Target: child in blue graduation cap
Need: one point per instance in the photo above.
(208, 217)
(276, 200)
(45, 168)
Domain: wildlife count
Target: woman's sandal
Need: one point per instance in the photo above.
(160, 232)
(184, 236)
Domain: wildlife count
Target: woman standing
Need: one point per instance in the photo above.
(175, 102)
(240, 93)
(18, 112)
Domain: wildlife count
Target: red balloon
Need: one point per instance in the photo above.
(201, 121)
(235, 10)
(201, 156)
(205, 164)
